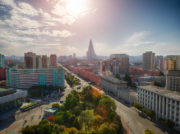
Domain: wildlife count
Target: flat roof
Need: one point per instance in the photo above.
(162, 91)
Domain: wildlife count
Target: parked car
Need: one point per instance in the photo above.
(79, 87)
(61, 102)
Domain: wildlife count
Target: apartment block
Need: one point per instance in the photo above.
(26, 78)
(148, 60)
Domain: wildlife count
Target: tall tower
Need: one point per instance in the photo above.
(90, 53)
(148, 60)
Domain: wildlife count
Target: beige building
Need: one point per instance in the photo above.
(148, 60)
(172, 62)
(118, 88)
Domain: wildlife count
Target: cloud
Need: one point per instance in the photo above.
(136, 44)
(28, 27)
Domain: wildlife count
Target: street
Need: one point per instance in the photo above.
(31, 117)
(131, 120)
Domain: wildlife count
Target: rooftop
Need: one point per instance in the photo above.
(162, 91)
(112, 79)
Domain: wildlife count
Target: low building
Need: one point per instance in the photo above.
(151, 79)
(26, 78)
(118, 88)
(165, 103)
(11, 98)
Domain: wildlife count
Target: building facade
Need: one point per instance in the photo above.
(53, 60)
(2, 67)
(38, 62)
(165, 103)
(148, 60)
(30, 60)
(173, 80)
(2, 61)
(44, 61)
(117, 64)
(26, 78)
(118, 88)
(172, 62)
(11, 98)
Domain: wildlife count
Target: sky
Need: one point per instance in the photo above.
(64, 27)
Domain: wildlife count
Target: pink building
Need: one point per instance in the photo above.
(53, 60)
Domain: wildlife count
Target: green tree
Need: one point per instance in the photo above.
(57, 106)
(86, 119)
(71, 102)
(107, 128)
(106, 100)
(127, 78)
(147, 131)
(138, 106)
(118, 76)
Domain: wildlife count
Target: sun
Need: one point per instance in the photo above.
(76, 7)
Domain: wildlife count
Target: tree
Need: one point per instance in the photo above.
(86, 119)
(138, 106)
(107, 128)
(51, 118)
(105, 100)
(57, 106)
(127, 78)
(118, 76)
(169, 123)
(147, 131)
(71, 102)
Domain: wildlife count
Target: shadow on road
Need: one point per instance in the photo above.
(119, 100)
(6, 119)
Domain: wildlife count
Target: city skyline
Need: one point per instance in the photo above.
(130, 27)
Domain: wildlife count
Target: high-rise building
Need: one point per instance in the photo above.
(38, 62)
(91, 53)
(2, 67)
(74, 55)
(148, 60)
(172, 62)
(44, 61)
(117, 64)
(26, 78)
(30, 60)
(2, 61)
(53, 60)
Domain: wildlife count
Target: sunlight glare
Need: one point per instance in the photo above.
(76, 7)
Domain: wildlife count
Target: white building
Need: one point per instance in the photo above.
(118, 88)
(165, 103)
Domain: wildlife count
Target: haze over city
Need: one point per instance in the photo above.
(89, 67)
(116, 26)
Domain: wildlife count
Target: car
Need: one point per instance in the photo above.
(61, 102)
(79, 87)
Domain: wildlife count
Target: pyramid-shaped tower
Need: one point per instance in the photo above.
(91, 53)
